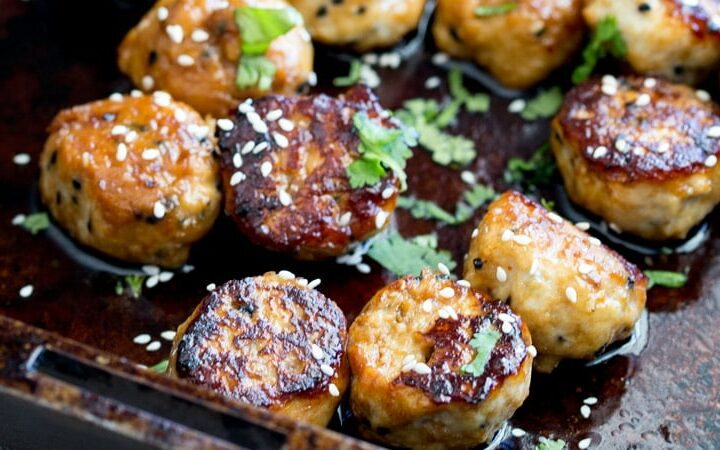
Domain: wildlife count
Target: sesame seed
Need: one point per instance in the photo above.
(257, 123)
(302, 282)
(440, 58)
(161, 98)
(142, 339)
(246, 106)
(585, 443)
(571, 294)
(609, 80)
(432, 83)
(500, 274)
(475, 233)
(609, 89)
(516, 106)
(150, 269)
(285, 198)
(21, 159)
(131, 136)
(344, 219)
(468, 177)
(703, 95)
(447, 292)
(662, 147)
(118, 130)
(554, 217)
(314, 283)
(463, 283)
(532, 351)
(408, 359)
(185, 60)
(286, 125)
(506, 317)
(175, 32)
(165, 276)
(316, 352)
(713, 131)
(443, 269)
(333, 390)
(225, 124)
(237, 178)
(247, 148)
(199, 35)
(518, 432)
(711, 161)
(443, 313)
(135, 93)
(237, 160)
(521, 239)
(427, 305)
(600, 152)
(147, 82)
(273, 115)
(327, 370)
(150, 154)
(621, 145)
(265, 168)
(210, 287)
(585, 268)
(152, 281)
(312, 79)
(422, 369)
(643, 99)
(187, 268)
(381, 218)
(590, 401)
(116, 97)
(506, 327)
(363, 268)
(159, 209)
(649, 83)
(585, 411)
(584, 226)
(507, 235)
(168, 335)
(614, 227)
(280, 140)
(162, 13)
(26, 291)
(595, 241)
(387, 193)
(153, 346)
(18, 219)
(260, 147)
(286, 275)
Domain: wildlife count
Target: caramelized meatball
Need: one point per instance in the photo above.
(670, 38)
(642, 153)
(360, 24)
(270, 341)
(519, 47)
(284, 167)
(410, 352)
(133, 177)
(191, 48)
(575, 295)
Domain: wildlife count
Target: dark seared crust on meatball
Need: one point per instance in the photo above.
(450, 341)
(674, 117)
(310, 169)
(252, 340)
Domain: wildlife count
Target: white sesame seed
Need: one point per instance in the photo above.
(118, 130)
(225, 124)
(554, 217)
(327, 370)
(662, 147)
(286, 275)
(150, 154)
(600, 152)
(585, 411)
(175, 32)
(475, 233)
(314, 283)
(409, 359)
(506, 327)
(187, 268)
(427, 305)
(506, 317)
(532, 351)
(159, 209)
(521, 239)
(135, 93)
(451, 312)
(468, 177)
(150, 269)
(507, 235)
(153, 346)
(152, 281)
(369, 76)
(432, 83)
(713, 131)
(162, 13)
(247, 148)
(595, 241)
(21, 159)
(264, 228)
(147, 82)
(516, 106)
(518, 432)
(609, 80)
(168, 335)
(302, 282)
(613, 226)
(161, 98)
(703, 95)
(711, 161)
(443, 269)
(273, 115)
(443, 313)
(500, 274)
(165, 276)
(344, 219)
(422, 369)
(131, 136)
(237, 160)
(185, 60)
(26, 291)
(285, 198)
(312, 79)
(257, 123)
(199, 35)
(643, 99)
(571, 294)
(380, 219)
(265, 168)
(584, 444)
(286, 125)
(463, 283)
(333, 390)
(316, 352)
(447, 292)
(116, 97)
(585, 268)
(280, 140)
(142, 339)
(387, 192)
(19, 219)
(621, 145)
(246, 106)
(590, 401)
(210, 287)
(584, 226)
(363, 268)
(260, 147)
(440, 58)
(609, 89)
(649, 83)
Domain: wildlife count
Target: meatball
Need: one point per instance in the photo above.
(519, 47)
(191, 48)
(575, 295)
(436, 365)
(685, 50)
(284, 167)
(642, 153)
(133, 177)
(271, 341)
(360, 24)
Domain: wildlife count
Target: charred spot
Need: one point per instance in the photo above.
(454, 34)
(221, 27)
(152, 57)
(557, 136)
(151, 219)
(560, 338)
(539, 33)
(644, 7)
(477, 263)
(89, 226)
(77, 185)
(53, 159)
(678, 70)
(321, 11)
(361, 10)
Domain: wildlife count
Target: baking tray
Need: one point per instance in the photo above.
(69, 375)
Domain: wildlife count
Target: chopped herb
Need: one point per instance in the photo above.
(426, 209)
(448, 114)
(544, 105)
(534, 171)
(446, 149)
(160, 367)
(258, 28)
(665, 278)
(550, 444)
(547, 204)
(408, 257)
(132, 282)
(472, 102)
(479, 195)
(483, 342)
(353, 77)
(381, 149)
(494, 10)
(605, 38)
(35, 223)
(426, 240)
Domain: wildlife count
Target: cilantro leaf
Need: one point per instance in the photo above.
(494, 10)
(479, 195)
(483, 342)
(665, 278)
(534, 171)
(35, 223)
(547, 204)
(606, 38)
(549, 444)
(160, 367)
(353, 77)
(255, 71)
(446, 149)
(472, 102)
(544, 105)
(381, 149)
(425, 240)
(407, 257)
(426, 209)
(132, 282)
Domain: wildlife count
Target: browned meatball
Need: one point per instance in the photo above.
(412, 351)
(191, 48)
(642, 153)
(284, 167)
(133, 177)
(519, 47)
(270, 341)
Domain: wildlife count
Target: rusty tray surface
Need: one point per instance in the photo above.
(52, 55)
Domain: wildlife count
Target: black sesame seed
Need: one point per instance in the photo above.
(89, 226)
(321, 11)
(76, 184)
(361, 10)
(58, 198)
(454, 34)
(53, 159)
(643, 7)
(478, 263)
(678, 70)
(152, 57)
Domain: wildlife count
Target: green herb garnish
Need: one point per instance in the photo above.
(550, 444)
(132, 282)
(353, 77)
(473, 102)
(534, 171)
(426, 209)
(446, 149)
(479, 195)
(35, 223)
(160, 367)
(606, 38)
(547, 204)
(495, 10)
(665, 278)
(258, 28)
(483, 342)
(544, 105)
(408, 257)
(381, 149)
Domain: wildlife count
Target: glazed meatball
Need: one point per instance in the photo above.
(133, 177)
(436, 364)
(284, 167)
(270, 341)
(670, 38)
(360, 24)
(575, 295)
(191, 48)
(641, 153)
(519, 47)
